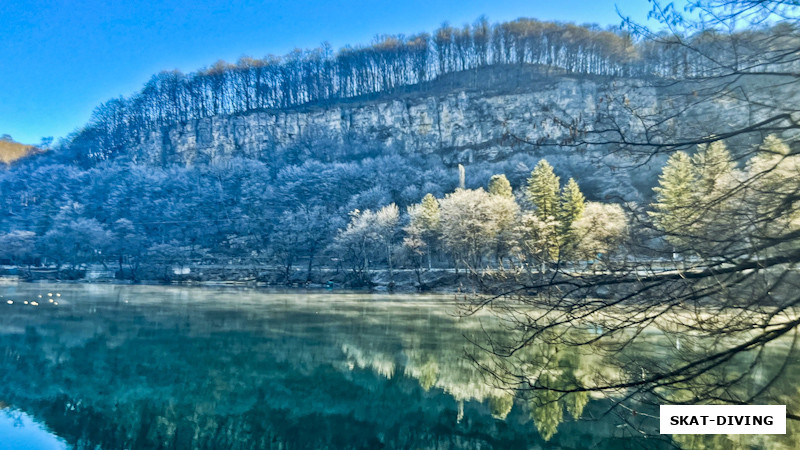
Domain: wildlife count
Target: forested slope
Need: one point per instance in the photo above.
(266, 161)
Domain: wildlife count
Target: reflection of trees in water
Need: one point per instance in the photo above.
(207, 377)
(569, 365)
(383, 365)
(439, 363)
(770, 376)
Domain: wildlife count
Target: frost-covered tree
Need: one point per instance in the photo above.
(386, 228)
(467, 230)
(128, 245)
(504, 211)
(18, 246)
(301, 233)
(167, 255)
(355, 243)
(76, 242)
(599, 231)
(536, 239)
(368, 236)
(424, 227)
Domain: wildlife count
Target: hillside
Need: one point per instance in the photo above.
(514, 123)
(11, 151)
(272, 162)
(483, 58)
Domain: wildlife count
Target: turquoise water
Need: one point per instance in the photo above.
(105, 366)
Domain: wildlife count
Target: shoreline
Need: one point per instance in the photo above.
(402, 280)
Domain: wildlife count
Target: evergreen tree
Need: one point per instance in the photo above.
(571, 207)
(696, 199)
(542, 190)
(499, 185)
(674, 195)
(429, 216)
(714, 168)
(770, 199)
(774, 168)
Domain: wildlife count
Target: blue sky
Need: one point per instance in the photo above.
(61, 58)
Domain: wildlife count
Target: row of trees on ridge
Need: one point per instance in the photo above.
(322, 75)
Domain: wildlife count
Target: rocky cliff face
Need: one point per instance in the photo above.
(460, 126)
(494, 128)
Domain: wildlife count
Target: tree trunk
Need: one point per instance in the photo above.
(389, 259)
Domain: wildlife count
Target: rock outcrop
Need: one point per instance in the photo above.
(460, 126)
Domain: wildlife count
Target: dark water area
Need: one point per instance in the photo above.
(106, 366)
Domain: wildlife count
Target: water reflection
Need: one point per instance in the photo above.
(19, 431)
(170, 367)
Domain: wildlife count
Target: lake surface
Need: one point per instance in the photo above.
(106, 366)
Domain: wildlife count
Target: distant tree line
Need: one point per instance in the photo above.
(297, 218)
(322, 75)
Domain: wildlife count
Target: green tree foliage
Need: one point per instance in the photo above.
(500, 405)
(545, 235)
(673, 209)
(770, 206)
(499, 185)
(714, 169)
(542, 191)
(427, 217)
(697, 199)
(570, 209)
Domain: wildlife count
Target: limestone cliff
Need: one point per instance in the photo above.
(461, 126)
(489, 125)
